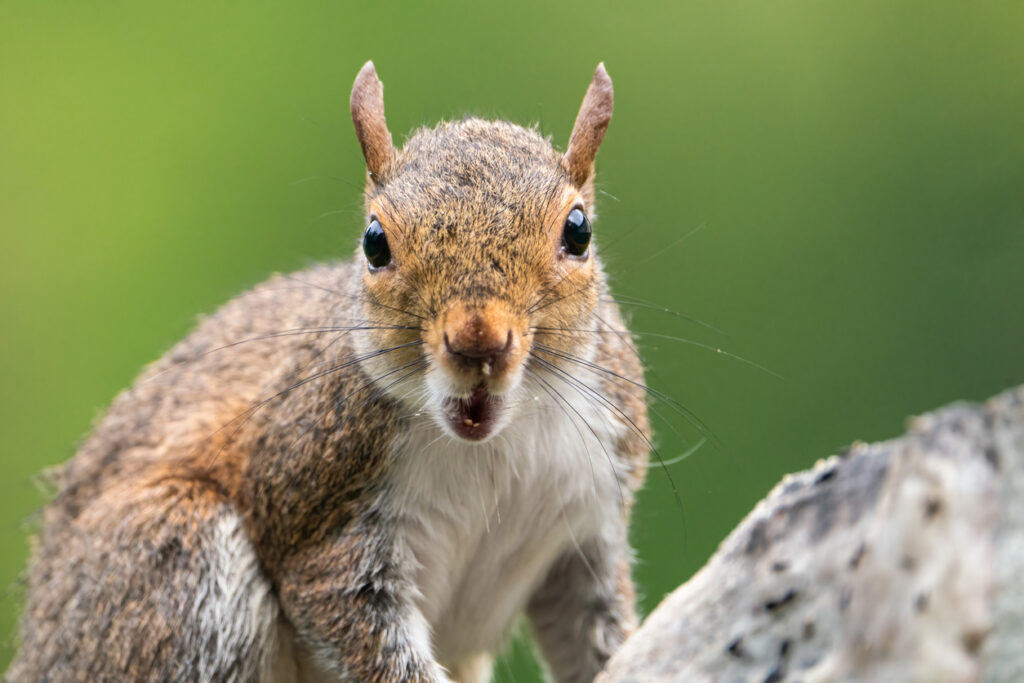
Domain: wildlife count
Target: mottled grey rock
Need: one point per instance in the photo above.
(897, 561)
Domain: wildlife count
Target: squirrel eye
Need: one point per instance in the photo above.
(375, 246)
(576, 234)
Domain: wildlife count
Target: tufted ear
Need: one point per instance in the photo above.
(367, 105)
(591, 123)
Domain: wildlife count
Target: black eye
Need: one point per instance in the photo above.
(375, 245)
(576, 235)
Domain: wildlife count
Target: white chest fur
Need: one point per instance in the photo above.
(480, 524)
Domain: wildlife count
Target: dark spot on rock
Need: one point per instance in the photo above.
(809, 629)
(777, 604)
(973, 641)
(826, 513)
(779, 566)
(758, 539)
(776, 675)
(992, 456)
(908, 563)
(921, 602)
(858, 555)
(735, 648)
(784, 648)
(825, 476)
(932, 507)
(795, 485)
(845, 597)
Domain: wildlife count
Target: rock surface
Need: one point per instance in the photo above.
(896, 561)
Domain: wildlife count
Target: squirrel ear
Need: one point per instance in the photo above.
(367, 105)
(591, 123)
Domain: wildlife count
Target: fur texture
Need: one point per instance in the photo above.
(283, 495)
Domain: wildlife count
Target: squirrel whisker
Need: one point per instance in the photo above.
(554, 369)
(673, 403)
(421, 362)
(559, 401)
(658, 335)
(576, 386)
(246, 415)
(537, 305)
(311, 330)
(659, 308)
(355, 297)
(569, 332)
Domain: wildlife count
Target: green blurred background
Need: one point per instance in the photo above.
(856, 169)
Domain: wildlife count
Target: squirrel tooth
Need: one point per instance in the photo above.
(485, 368)
(469, 423)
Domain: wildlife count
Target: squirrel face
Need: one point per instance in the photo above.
(477, 246)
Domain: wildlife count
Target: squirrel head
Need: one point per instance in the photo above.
(478, 246)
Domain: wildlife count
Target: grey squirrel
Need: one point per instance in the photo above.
(369, 470)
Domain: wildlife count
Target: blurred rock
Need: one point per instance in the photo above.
(897, 561)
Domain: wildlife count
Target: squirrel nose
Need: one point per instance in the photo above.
(477, 344)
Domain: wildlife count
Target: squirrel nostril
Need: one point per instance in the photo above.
(477, 345)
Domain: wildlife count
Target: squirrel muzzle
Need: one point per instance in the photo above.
(481, 344)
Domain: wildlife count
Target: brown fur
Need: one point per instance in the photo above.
(229, 425)
(367, 105)
(591, 123)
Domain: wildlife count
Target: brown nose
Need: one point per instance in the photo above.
(475, 343)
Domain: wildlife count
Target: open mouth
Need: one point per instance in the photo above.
(473, 418)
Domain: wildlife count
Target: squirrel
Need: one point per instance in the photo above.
(370, 470)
